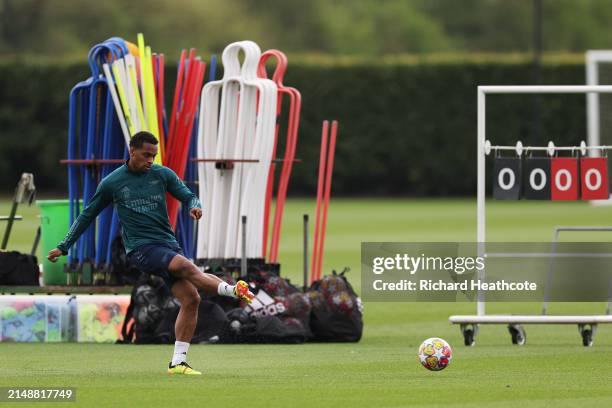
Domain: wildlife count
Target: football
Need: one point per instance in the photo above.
(435, 354)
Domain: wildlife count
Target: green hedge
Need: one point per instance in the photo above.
(406, 128)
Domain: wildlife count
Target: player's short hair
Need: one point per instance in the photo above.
(142, 137)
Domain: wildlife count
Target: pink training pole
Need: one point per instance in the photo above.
(328, 180)
(322, 157)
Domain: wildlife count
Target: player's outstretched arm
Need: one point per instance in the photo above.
(181, 192)
(99, 201)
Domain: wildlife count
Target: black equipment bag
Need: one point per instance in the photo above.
(243, 328)
(152, 313)
(149, 302)
(337, 311)
(279, 312)
(18, 269)
(329, 311)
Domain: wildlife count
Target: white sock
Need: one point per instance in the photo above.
(180, 352)
(225, 289)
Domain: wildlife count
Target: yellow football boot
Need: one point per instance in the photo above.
(242, 292)
(182, 369)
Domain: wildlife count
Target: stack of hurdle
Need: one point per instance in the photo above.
(123, 96)
(96, 146)
(223, 139)
(238, 144)
(555, 178)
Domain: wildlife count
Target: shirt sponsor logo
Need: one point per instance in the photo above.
(146, 204)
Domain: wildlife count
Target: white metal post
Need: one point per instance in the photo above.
(592, 78)
(480, 200)
(593, 58)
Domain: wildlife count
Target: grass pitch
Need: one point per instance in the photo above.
(381, 370)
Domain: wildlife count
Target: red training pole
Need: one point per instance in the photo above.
(182, 107)
(177, 94)
(160, 127)
(322, 157)
(185, 125)
(295, 102)
(175, 143)
(160, 102)
(277, 77)
(328, 180)
(190, 115)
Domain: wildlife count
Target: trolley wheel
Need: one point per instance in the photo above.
(469, 333)
(587, 338)
(518, 334)
(468, 337)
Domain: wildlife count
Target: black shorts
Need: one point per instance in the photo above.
(155, 258)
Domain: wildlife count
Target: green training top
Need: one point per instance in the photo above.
(140, 201)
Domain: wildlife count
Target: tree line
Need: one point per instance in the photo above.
(61, 28)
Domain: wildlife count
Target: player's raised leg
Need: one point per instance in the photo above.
(183, 268)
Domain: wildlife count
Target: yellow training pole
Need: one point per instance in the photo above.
(148, 90)
(151, 100)
(122, 98)
(143, 73)
(136, 92)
